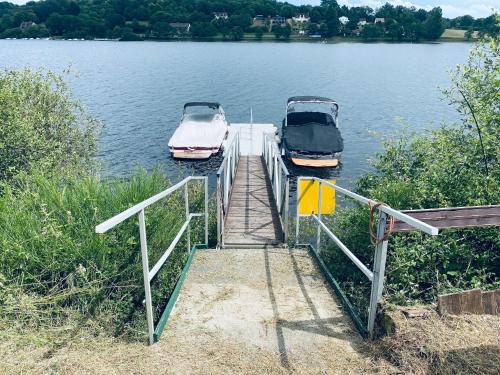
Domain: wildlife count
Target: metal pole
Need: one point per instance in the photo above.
(318, 234)
(219, 204)
(145, 272)
(227, 181)
(297, 222)
(276, 180)
(287, 202)
(378, 272)
(206, 211)
(186, 200)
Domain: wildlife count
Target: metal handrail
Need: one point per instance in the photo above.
(280, 179)
(138, 209)
(227, 171)
(376, 276)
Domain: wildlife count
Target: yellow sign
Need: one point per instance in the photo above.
(309, 197)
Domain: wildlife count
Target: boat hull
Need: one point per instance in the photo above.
(193, 154)
(316, 163)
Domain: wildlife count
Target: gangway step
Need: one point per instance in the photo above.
(253, 219)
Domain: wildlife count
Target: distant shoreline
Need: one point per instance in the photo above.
(334, 40)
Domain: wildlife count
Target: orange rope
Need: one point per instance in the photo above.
(387, 230)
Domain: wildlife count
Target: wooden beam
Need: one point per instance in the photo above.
(457, 217)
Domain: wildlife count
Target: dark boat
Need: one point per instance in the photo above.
(310, 136)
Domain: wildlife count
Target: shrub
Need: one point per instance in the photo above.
(456, 165)
(41, 125)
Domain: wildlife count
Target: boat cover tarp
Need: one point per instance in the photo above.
(312, 132)
(207, 131)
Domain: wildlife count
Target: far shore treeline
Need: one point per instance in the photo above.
(228, 20)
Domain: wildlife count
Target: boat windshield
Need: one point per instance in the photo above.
(330, 108)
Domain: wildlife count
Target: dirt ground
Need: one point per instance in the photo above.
(239, 311)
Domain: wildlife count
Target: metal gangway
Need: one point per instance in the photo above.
(252, 196)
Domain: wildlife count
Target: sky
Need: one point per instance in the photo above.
(451, 8)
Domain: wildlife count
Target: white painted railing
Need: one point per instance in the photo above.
(280, 179)
(225, 179)
(138, 209)
(375, 276)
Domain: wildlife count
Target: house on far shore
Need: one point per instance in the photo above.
(278, 20)
(362, 22)
(379, 20)
(181, 28)
(301, 18)
(27, 25)
(259, 20)
(344, 20)
(222, 15)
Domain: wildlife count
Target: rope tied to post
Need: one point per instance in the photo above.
(387, 229)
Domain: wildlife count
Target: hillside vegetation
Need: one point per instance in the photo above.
(235, 20)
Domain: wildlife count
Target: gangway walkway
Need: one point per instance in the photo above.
(252, 218)
(252, 192)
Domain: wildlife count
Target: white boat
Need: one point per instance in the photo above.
(200, 134)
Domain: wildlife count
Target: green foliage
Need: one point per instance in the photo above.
(448, 167)
(52, 263)
(41, 125)
(259, 32)
(49, 250)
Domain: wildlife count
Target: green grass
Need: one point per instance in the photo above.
(51, 260)
(457, 34)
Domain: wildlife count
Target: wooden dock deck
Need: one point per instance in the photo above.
(252, 219)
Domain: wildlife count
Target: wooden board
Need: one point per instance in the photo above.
(252, 218)
(470, 302)
(459, 217)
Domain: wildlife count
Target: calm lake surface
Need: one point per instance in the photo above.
(138, 89)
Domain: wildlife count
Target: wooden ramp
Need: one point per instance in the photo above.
(252, 218)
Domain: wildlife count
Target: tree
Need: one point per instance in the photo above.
(433, 25)
(469, 33)
(203, 30)
(393, 29)
(163, 30)
(42, 126)
(236, 33)
(371, 32)
(276, 29)
(286, 32)
(259, 33)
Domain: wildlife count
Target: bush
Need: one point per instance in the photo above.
(42, 126)
(456, 165)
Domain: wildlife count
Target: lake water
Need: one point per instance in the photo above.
(138, 89)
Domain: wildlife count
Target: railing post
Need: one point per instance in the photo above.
(378, 271)
(227, 181)
(287, 202)
(145, 272)
(276, 178)
(186, 200)
(219, 213)
(297, 218)
(206, 211)
(318, 234)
